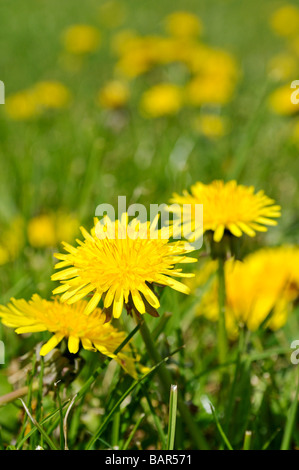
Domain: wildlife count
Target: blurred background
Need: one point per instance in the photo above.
(139, 99)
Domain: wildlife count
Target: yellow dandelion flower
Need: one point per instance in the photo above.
(161, 100)
(124, 40)
(121, 267)
(216, 74)
(113, 95)
(231, 207)
(32, 102)
(260, 289)
(47, 230)
(209, 89)
(51, 94)
(210, 125)
(11, 240)
(22, 106)
(136, 56)
(285, 21)
(280, 101)
(183, 24)
(69, 322)
(81, 39)
(208, 61)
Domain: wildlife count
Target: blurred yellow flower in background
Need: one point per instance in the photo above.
(32, 102)
(280, 101)
(21, 106)
(11, 240)
(285, 20)
(161, 100)
(210, 125)
(115, 94)
(81, 39)
(183, 24)
(47, 230)
(216, 77)
(210, 61)
(229, 207)
(69, 322)
(136, 54)
(260, 289)
(51, 94)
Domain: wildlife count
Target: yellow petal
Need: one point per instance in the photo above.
(118, 303)
(73, 344)
(234, 229)
(218, 234)
(138, 302)
(150, 296)
(51, 344)
(92, 304)
(30, 329)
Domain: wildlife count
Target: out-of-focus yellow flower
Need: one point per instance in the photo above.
(261, 288)
(210, 125)
(51, 94)
(183, 24)
(208, 89)
(123, 40)
(69, 322)
(283, 66)
(11, 240)
(112, 13)
(208, 61)
(285, 21)
(216, 75)
(161, 100)
(137, 55)
(228, 207)
(81, 39)
(114, 94)
(48, 230)
(32, 102)
(280, 101)
(22, 105)
(215, 81)
(134, 63)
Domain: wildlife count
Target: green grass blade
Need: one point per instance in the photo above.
(288, 431)
(132, 433)
(219, 427)
(38, 426)
(121, 399)
(247, 440)
(173, 401)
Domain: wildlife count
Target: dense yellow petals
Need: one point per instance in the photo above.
(69, 322)
(121, 261)
(229, 207)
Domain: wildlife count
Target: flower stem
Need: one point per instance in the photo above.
(222, 335)
(166, 382)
